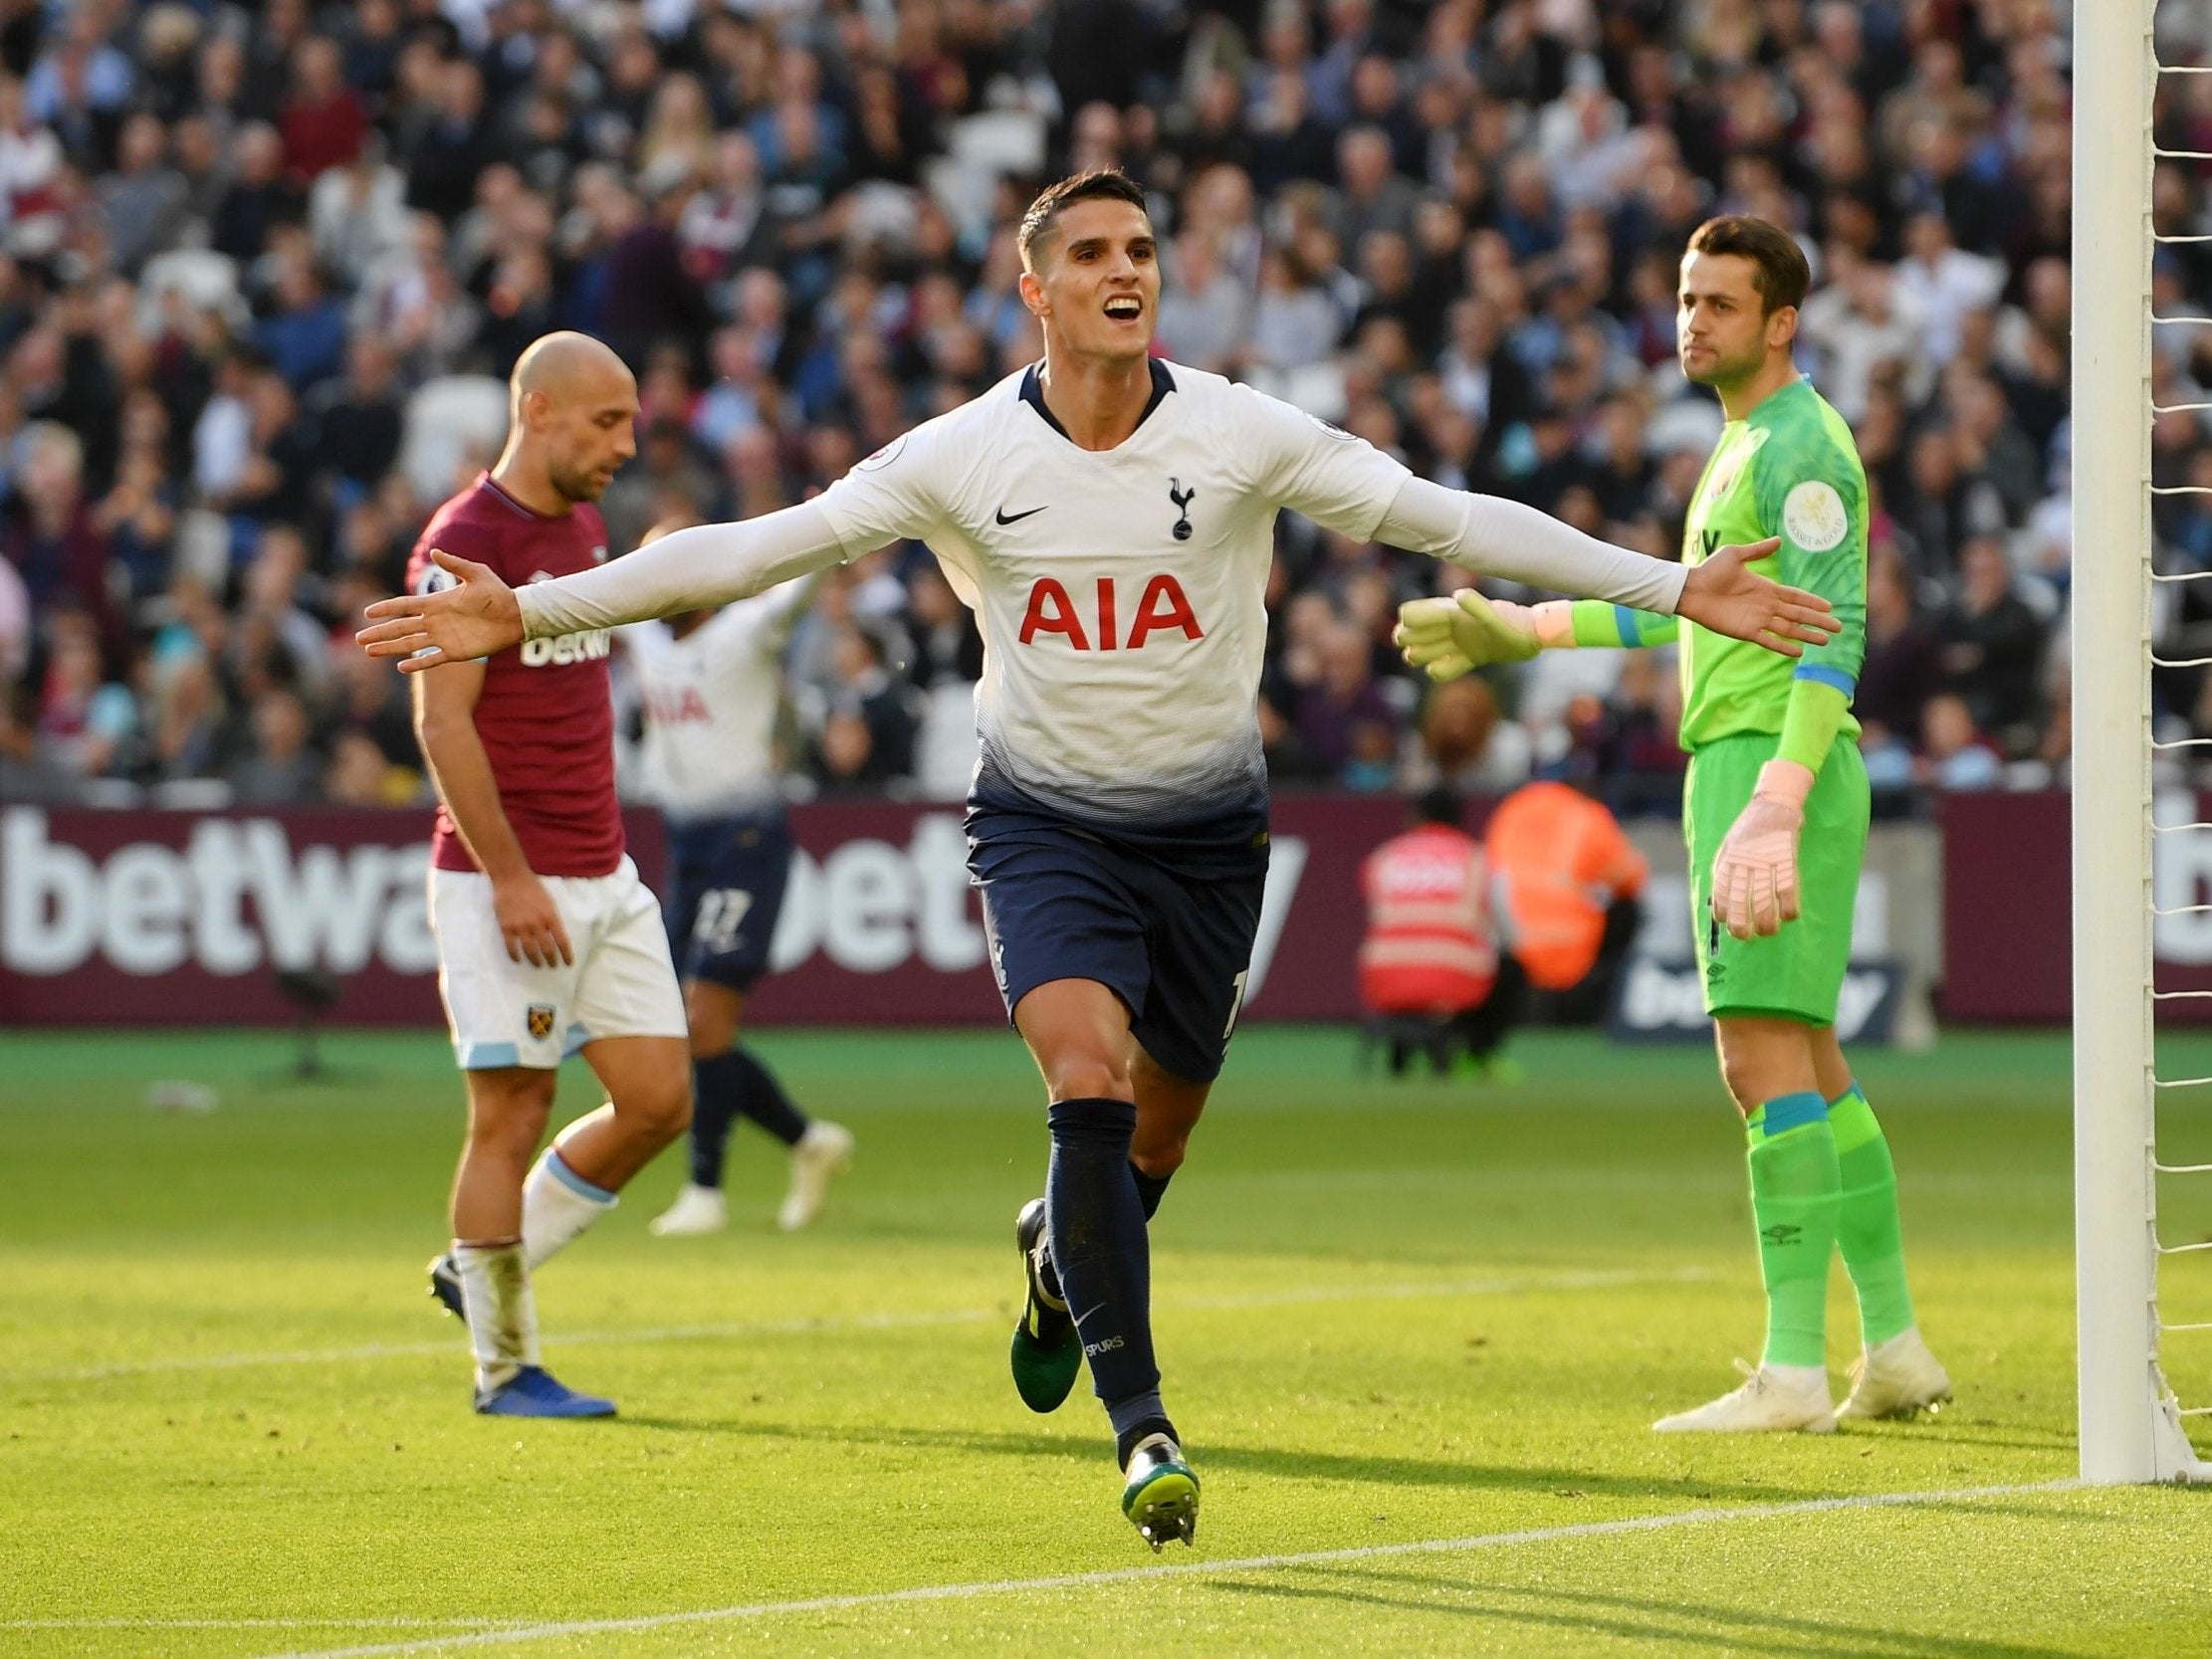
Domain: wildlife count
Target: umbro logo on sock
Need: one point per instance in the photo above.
(1782, 1232)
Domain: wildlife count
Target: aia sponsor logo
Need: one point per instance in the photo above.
(664, 707)
(1162, 607)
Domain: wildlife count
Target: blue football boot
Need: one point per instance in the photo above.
(533, 1392)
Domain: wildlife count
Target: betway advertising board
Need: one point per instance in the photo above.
(186, 918)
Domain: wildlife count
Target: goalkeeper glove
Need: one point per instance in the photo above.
(1449, 636)
(1755, 872)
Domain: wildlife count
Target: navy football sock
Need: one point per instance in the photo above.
(1096, 1222)
(763, 1100)
(1149, 1189)
(717, 1087)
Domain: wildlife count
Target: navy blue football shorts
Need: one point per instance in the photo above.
(1171, 936)
(724, 890)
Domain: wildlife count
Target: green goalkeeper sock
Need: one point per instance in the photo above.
(1868, 1227)
(1796, 1189)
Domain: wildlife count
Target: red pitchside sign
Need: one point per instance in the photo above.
(185, 919)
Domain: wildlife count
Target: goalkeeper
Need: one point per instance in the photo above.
(1774, 817)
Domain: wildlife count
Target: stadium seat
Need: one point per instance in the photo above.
(446, 420)
(208, 280)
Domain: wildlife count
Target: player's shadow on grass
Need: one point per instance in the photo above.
(1286, 1463)
(1631, 1619)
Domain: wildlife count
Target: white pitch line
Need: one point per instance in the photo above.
(1174, 1570)
(860, 1322)
(394, 1623)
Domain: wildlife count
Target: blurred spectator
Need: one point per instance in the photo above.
(279, 770)
(866, 739)
(49, 535)
(1903, 669)
(143, 199)
(324, 122)
(260, 199)
(1992, 645)
(357, 420)
(1955, 754)
(1433, 973)
(1468, 745)
(1571, 892)
(83, 717)
(29, 772)
(246, 248)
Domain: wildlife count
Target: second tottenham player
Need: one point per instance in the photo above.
(1110, 519)
(708, 681)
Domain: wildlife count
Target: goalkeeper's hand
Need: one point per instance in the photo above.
(1447, 637)
(1755, 886)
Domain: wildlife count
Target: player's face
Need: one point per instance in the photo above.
(1722, 333)
(589, 435)
(1097, 289)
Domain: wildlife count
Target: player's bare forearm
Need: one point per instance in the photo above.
(445, 727)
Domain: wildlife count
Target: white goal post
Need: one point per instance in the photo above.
(2131, 1427)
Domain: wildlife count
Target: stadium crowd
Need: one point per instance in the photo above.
(260, 267)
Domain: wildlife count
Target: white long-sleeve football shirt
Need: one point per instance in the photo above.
(1121, 593)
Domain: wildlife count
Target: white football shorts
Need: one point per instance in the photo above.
(508, 1013)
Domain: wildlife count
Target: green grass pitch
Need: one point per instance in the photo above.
(1415, 1333)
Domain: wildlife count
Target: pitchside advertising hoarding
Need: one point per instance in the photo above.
(177, 918)
(2007, 923)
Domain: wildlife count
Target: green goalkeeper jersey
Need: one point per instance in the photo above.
(1787, 468)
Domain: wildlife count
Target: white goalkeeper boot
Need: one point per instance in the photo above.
(1772, 1399)
(697, 1210)
(1896, 1378)
(825, 1149)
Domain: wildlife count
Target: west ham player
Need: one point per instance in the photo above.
(709, 680)
(548, 942)
(1110, 519)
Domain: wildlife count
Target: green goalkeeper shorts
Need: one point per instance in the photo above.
(1798, 973)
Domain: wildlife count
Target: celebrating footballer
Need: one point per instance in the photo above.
(1109, 516)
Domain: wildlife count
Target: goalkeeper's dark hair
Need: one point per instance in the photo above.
(1783, 275)
(1099, 184)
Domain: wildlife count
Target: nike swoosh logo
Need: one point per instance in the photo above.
(1005, 518)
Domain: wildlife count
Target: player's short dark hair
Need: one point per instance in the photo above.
(1099, 184)
(1781, 274)
(1436, 806)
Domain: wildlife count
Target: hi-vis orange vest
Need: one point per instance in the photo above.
(1431, 948)
(1562, 861)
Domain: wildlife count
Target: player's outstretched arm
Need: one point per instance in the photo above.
(1498, 537)
(1451, 636)
(708, 564)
